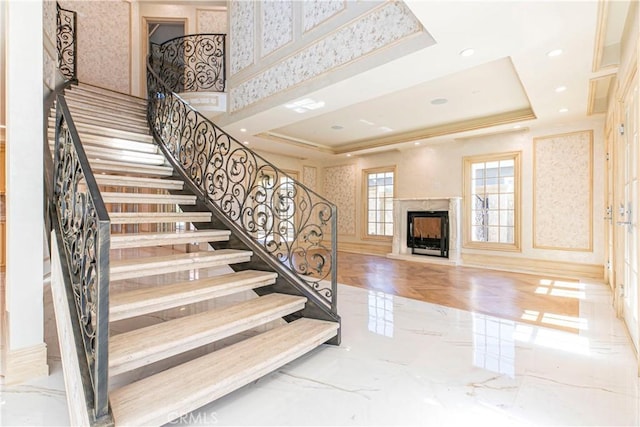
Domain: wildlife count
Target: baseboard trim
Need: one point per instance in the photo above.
(364, 248)
(537, 266)
(25, 364)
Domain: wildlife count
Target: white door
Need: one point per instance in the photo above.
(628, 212)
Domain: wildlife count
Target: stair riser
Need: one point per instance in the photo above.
(122, 124)
(104, 142)
(173, 348)
(107, 132)
(155, 172)
(140, 199)
(91, 115)
(126, 182)
(144, 271)
(124, 312)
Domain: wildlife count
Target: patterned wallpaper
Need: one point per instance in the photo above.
(211, 21)
(277, 24)
(339, 188)
(49, 19)
(381, 27)
(563, 191)
(317, 11)
(310, 177)
(103, 42)
(241, 34)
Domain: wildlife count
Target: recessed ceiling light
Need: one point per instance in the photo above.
(245, 142)
(385, 129)
(554, 52)
(337, 127)
(467, 52)
(243, 130)
(348, 155)
(367, 122)
(563, 110)
(416, 143)
(517, 126)
(439, 101)
(561, 89)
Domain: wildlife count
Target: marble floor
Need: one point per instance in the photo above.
(407, 362)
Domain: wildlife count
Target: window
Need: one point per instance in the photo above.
(379, 189)
(492, 201)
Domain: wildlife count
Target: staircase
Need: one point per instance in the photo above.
(162, 267)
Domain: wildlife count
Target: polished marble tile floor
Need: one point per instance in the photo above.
(409, 362)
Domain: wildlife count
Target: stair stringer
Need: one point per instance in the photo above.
(286, 282)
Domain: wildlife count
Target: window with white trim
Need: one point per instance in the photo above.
(492, 201)
(379, 190)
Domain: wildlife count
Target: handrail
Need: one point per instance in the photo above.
(293, 225)
(66, 42)
(82, 222)
(192, 63)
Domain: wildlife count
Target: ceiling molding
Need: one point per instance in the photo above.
(440, 130)
(594, 85)
(296, 142)
(501, 132)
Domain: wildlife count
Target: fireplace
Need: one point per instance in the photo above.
(428, 233)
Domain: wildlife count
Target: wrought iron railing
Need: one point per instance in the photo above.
(66, 42)
(82, 222)
(285, 219)
(193, 63)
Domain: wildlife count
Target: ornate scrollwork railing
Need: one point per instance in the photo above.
(67, 43)
(83, 224)
(192, 63)
(291, 223)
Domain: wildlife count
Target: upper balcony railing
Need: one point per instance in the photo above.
(66, 41)
(193, 63)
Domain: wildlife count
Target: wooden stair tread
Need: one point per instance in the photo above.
(79, 103)
(158, 217)
(99, 165)
(138, 240)
(110, 142)
(147, 345)
(142, 198)
(148, 266)
(137, 302)
(139, 182)
(186, 387)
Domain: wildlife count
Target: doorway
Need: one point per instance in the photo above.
(627, 211)
(158, 30)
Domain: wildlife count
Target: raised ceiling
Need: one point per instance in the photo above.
(509, 81)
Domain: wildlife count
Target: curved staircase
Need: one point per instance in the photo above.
(170, 292)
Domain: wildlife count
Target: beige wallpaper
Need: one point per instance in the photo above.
(103, 42)
(339, 188)
(310, 177)
(562, 191)
(211, 21)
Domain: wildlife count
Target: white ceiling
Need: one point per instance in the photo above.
(508, 81)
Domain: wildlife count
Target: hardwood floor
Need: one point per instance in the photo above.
(544, 301)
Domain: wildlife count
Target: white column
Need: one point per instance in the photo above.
(24, 240)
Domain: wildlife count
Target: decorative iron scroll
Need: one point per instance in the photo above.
(66, 42)
(192, 63)
(292, 223)
(84, 225)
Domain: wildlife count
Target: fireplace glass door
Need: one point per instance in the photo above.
(428, 233)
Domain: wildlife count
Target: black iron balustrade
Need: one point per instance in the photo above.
(83, 224)
(293, 224)
(66, 41)
(193, 63)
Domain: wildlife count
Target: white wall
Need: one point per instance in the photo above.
(436, 171)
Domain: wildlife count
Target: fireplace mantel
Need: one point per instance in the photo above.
(402, 206)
